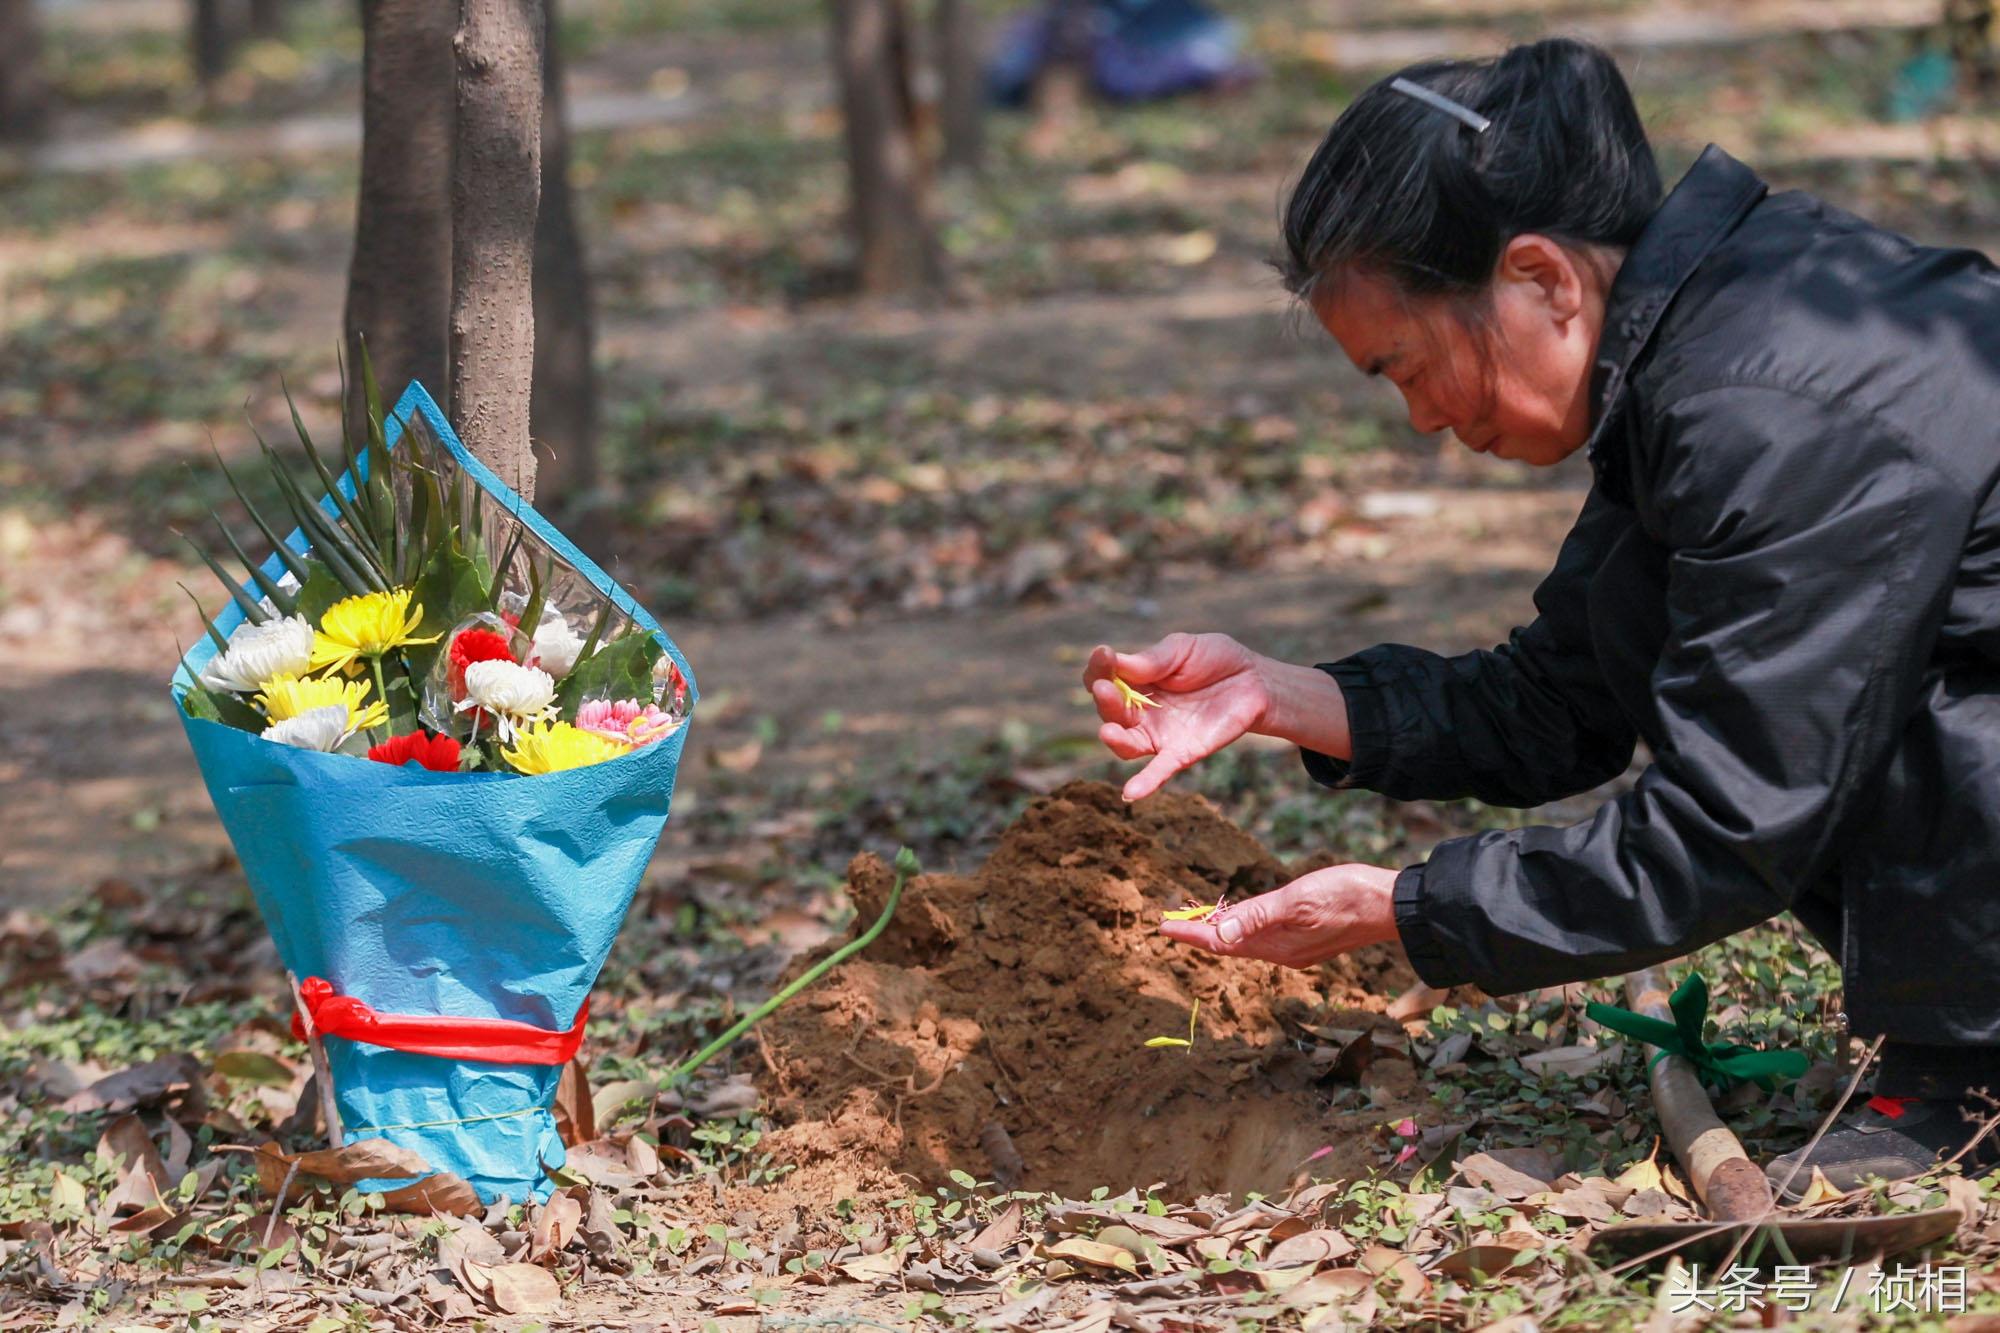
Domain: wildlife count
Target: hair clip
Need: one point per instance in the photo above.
(1478, 123)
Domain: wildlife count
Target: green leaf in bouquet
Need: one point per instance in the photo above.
(215, 636)
(400, 693)
(253, 611)
(270, 587)
(290, 558)
(217, 706)
(330, 542)
(369, 544)
(538, 599)
(449, 589)
(375, 487)
(597, 627)
(621, 669)
(496, 582)
(320, 590)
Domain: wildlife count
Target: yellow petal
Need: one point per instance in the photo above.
(1133, 697)
(1189, 913)
(1168, 1041)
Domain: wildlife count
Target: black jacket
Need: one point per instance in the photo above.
(1786, 580)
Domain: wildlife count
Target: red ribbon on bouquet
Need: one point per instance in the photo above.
(493, 1040)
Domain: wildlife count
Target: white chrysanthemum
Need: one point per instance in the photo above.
(514, 694)
(258, 652)
(320, 729)
(556, 646)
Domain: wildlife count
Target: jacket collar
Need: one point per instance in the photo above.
(1715, 195)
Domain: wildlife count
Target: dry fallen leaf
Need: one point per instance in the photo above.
(1643, 1175)
(126, 1144)
(576, 1115)
(1001, 1232)
(522, 1289)
(1090, 1252)
(369, 1159)
(1489, 1172)
(141, 1085)
(1487, 1261)
(1312, 1248)
(886, 1266)
(555, 1224)
(443, 1193)
(1399, 1268)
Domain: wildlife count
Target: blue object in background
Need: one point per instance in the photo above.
(475, 895)
(1138, 50)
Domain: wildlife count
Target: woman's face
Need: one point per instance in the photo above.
(1519, 388)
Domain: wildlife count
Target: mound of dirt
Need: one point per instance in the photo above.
(1023, 995)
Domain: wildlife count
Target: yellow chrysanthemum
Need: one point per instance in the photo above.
(366, 626)
(555, 746)
(286, 696)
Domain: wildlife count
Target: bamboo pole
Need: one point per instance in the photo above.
(1723, 1176)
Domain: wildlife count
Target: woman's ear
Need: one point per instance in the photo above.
(1548, 269)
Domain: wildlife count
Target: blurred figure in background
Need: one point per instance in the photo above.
(1125, 50)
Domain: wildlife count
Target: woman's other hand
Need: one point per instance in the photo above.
(1208, 690)
(1316, 917)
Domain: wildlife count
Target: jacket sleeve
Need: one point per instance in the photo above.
(1525, 723)
(1812, 554)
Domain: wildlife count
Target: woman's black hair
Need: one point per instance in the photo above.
(1414, 194)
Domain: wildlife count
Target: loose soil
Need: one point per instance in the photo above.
(1023, 995)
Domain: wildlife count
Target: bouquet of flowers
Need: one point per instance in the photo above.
(444, 743)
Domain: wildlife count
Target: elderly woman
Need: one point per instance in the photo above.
(1785, 579)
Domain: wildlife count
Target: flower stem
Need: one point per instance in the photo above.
(906, 865)
(382, 692)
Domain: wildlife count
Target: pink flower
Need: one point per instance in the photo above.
(625, 720)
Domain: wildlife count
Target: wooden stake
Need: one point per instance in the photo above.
(323, 1076)
(1721, 1172)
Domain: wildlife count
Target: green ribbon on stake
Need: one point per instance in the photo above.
(1722, 1064)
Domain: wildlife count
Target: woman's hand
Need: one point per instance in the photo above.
(1208, 688)
(1316, 917)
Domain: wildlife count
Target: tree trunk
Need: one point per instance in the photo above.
(961, 91)
(24, 97)
(496, 185)
(212, 39)
(1064, 84)
(895, 250)
(563, 416)
(399, 282)
(267, 18)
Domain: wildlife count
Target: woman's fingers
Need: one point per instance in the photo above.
(1103, 665)
(1112, 706)
(1125, 742)
(1149, 664)
(1237, 931)
(1153, 776)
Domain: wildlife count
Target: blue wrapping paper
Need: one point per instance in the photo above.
(469, 895)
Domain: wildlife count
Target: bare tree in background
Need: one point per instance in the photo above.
(267, 18)
(961, 95)
(213, 31)
(399, 282)
(24, 95)
(496, 182)
(1064, 85)
(896, 250)
(563, 416)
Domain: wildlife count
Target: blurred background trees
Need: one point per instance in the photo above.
(23, 91)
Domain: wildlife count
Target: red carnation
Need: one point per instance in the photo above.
(475, 645)
(437, 753)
